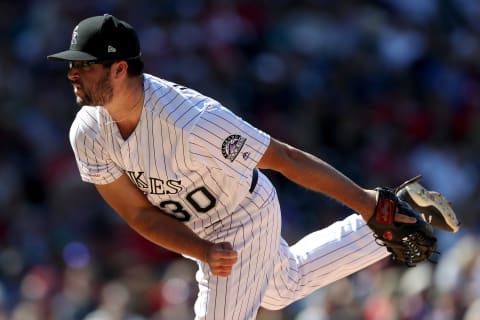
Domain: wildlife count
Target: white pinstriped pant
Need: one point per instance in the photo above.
(271, 274)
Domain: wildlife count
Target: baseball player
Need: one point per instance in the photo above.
(183, 171)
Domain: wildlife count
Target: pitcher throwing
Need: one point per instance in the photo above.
(183, 171)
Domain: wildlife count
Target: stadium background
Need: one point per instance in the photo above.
(381, 89)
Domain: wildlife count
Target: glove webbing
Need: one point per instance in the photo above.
(408, 246)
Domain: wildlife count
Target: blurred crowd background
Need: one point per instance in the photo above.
(382, 89)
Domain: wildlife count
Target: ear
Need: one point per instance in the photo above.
(119, 69)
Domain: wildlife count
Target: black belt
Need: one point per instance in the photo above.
(254, 180)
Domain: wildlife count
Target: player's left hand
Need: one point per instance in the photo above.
(221, 257)
(401, 229)
(404, 218)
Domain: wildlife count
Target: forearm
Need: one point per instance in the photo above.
(173, 235)
(150, 221)
(315, 174)
(169, 233)
(162, 229)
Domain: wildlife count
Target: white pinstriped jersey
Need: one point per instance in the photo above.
(194, 159)
(191, 156)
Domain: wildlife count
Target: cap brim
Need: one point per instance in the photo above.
(72, 55)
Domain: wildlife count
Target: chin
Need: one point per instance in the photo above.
(80, 102)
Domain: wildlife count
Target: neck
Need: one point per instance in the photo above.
(126, 108)
(128, 102)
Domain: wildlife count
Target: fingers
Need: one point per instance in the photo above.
(221, 258)
(404, 219)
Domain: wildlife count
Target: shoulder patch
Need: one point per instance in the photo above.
(232, 145)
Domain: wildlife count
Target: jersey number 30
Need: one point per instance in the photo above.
(201, 199)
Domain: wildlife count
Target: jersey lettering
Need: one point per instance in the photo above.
(200, 198)
(154, 185)
(175, 209)
(136, 177)
(174, 186)
(180, 87)
(159, 186)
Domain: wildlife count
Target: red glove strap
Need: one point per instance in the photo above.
(385, 211)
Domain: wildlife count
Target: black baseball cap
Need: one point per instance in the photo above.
(101, 38)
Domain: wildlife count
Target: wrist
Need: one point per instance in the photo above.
(369, 204)
(204, 253)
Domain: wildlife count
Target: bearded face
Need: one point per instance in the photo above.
(89, 92)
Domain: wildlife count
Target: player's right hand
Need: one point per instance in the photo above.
(221, 257)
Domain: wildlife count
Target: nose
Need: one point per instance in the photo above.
(73, 74)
